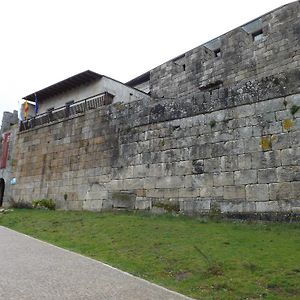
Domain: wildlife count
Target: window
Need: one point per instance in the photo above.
(257, 35)
(217, 52)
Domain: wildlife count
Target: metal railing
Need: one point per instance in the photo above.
(67, 111)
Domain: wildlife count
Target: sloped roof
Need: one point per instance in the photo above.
(138, 80)
(66, 84)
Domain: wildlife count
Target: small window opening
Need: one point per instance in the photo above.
(183, 67)
(257, 35)
(217, 52)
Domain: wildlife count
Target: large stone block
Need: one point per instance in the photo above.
(295, 137)
(76, 205)
(244, 111)
(234, 192)
(115, 185)
(271, 128)
(292, 100)
(244, 161)
(200, 151)
(288, 173)
(149, 182)
(222, 179)
(186, 167)
(257, 192)
(234, 207)
(156, 170)
(212, 165)
(221, 149)
(229, 163)
(295, 205)
(267, 175)
(243, 132)
(237, 147)
(270, 106)
(189, 192)
(290, 157)
(245, 177)
(92, 205)
(170, 182)
(194, 206)
(217, 193)
(296, 190)
(264, 160)
(199, 180)
(142, 203)
(206, 191)
(252, 144)
(281, 191)
(155, 193)
(280, 141)
(140, 171)
(133, 184)
(122, 199)
(171, 193)
(267, 206)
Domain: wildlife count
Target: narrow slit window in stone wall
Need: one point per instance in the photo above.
(257, 35)
(217, 52)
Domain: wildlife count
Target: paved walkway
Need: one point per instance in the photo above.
(35, 270)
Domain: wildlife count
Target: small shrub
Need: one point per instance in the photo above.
(212, 123)
(44, 203)
(162, 143)
(294, 109)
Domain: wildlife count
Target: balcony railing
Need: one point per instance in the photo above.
(67, 111)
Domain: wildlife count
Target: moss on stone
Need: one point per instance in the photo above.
(294, 109)
(169, 207)
(288, 124)
(121, 196)
(266, 143)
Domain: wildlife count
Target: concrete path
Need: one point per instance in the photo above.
(32, 269)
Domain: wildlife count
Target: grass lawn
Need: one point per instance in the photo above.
(199, 258)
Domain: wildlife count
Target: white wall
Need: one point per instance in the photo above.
(121, 92)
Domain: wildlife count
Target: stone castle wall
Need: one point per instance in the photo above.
(219, 133)
(240, 159)
(241, 57)
(8, 120)
(8, 173)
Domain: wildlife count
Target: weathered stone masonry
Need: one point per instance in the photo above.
(218, 133)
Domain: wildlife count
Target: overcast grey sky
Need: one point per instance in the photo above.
(43, 42)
